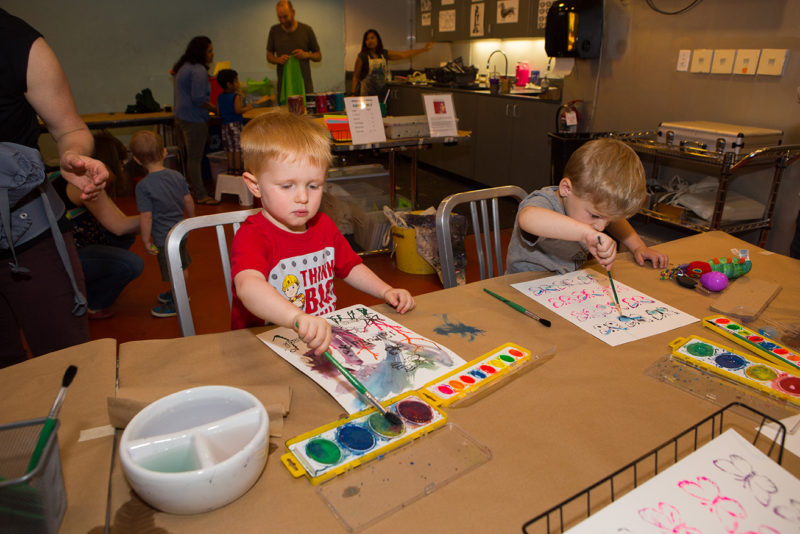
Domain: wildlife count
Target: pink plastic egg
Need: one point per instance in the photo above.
(714, 281)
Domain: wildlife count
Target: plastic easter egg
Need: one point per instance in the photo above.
(714, 281)
(696, 269)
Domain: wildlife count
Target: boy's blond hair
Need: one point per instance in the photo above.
(280, 135)
(609, 174)
(147, 147)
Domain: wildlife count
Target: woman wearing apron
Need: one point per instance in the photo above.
(371, 72)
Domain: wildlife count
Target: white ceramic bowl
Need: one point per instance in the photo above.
(197, 449)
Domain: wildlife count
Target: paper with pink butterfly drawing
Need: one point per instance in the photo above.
(386, 357)
(726, 486)
(586, 299)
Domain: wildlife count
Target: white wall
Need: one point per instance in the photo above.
(111, 50)
(634, 85)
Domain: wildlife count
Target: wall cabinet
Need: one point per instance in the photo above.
(511, 145)
(504, 21)
(499, 20)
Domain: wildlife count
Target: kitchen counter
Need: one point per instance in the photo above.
(524, 94)
(509, 134)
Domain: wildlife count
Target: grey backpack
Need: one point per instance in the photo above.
(30, 206)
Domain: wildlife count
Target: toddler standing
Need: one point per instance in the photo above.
(231, 106)
(163, 200)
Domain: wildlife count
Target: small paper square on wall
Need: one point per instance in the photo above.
(746, 61)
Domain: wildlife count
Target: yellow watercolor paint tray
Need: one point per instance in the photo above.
(475, 375)
(723, 361)
(765, 347)
(337, 447)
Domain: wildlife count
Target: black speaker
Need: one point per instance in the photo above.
(574, 28)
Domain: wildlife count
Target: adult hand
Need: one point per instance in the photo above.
(87, 174)
(299, 53)
(283, 58)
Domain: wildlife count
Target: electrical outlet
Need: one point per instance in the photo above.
(723, 61)
(684, 57)
(772, 61)
(746, 61)
(701, 60)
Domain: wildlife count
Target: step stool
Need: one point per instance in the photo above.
(234, 185)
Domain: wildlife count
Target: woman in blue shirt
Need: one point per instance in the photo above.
(192, 104)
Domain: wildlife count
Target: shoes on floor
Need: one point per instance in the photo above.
(165, 297)
(98, 315)
(164, 310)
(208, 201)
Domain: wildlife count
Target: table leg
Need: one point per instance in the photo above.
(414, 153)
(392, 178)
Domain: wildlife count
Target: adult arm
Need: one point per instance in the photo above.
(264, 301)
(307, 54)
(106, 211)
(313, 53)
(201, 90)
(408, 54)
(50, 96)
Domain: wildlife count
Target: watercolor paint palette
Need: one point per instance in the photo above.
(761, 345)
(725, 362)
(475, 375)
(337, 447)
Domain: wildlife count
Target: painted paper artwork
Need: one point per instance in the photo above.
(726, 486)
(586, 299)
(388, 358)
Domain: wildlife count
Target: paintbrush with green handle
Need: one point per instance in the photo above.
(392, 418)
(611, 280)
(50, 422)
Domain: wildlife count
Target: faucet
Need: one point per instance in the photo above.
(488, 61)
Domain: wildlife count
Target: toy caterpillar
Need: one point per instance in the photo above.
(730, 267)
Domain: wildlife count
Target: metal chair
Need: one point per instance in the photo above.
(483, 232)
(174, 238)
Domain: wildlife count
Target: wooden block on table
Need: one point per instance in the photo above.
(745, 298)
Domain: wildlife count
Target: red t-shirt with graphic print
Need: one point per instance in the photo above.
(299, 266)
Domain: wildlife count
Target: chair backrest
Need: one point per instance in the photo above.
(174, 238)
(480, 225)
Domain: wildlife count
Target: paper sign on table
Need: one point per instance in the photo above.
(388, 358)
(441, 115)
(364, 116)
(725, 486)
(585, 299)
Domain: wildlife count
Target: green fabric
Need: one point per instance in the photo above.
(292, 83)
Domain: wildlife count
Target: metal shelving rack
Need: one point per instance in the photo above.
(581, 505)
(725, 165)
